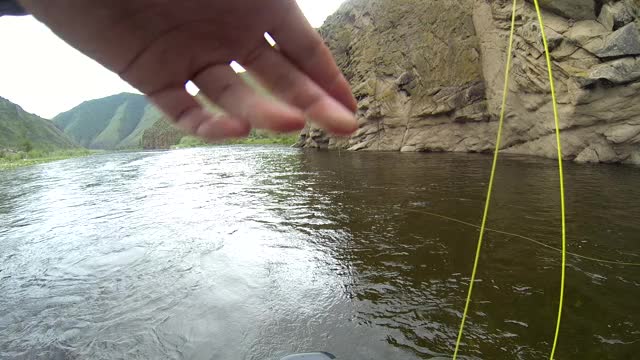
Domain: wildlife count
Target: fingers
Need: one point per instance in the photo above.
(189, 116)
(226, 89)
(217, 127)
(304, 47)
(290, 84)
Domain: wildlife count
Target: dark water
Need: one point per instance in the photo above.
(258, 252)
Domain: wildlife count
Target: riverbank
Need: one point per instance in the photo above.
(254, 139)
(12, 160)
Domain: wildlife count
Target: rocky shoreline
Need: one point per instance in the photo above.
(428, 76)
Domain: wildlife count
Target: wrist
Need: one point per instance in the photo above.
(11, 8)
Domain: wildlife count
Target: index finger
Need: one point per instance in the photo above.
(305, 48)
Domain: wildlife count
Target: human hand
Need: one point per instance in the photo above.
(159, 45)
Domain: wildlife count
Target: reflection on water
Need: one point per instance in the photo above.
(258, 252)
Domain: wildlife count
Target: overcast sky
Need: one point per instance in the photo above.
(46, 76)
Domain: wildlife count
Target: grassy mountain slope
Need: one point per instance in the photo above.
(129, 121)
(114, 122)
(151, 116)
(20, 130)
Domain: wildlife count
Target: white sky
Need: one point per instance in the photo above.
(45, 76)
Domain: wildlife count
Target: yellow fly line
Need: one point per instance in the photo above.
(529, 239)
(493, 172)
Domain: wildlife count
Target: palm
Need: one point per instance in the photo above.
(158, 46)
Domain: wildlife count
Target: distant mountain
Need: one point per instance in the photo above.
(114, 122)
(19, 129)
(127, 121)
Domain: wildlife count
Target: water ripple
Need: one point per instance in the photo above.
(257, 252)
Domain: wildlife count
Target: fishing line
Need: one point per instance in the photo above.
(491, 178)
(556, 119)
(493, 172)
(529, 239)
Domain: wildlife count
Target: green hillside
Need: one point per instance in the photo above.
(114, 122)
(20, 130)
(129, 121)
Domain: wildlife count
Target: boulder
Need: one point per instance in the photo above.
(618, 14)
(620, 71)
(622, 42)
(587, 34)
(597, 153)
(571, 9)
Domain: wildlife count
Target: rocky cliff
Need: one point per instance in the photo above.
(428, 76)
(161, 135)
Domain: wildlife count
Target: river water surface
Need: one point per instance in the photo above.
(258, 252)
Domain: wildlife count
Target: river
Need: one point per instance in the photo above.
(256, 252)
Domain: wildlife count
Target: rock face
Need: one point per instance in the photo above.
(428, 75)
(162, 135)
(615, 15)
(575, 9)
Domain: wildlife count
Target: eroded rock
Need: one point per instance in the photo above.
(428, 76)
(618, 14)
(588, 34)
(597, 153)
(571, 9)
(620, 71)
(623, 42)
